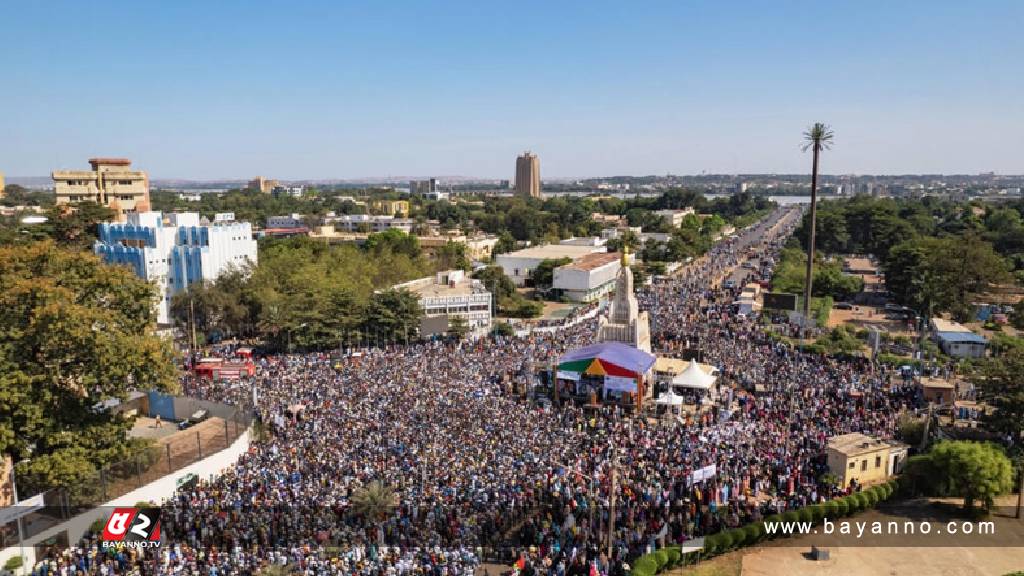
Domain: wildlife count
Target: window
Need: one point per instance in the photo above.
(853, 465)
(878, 461)
(863, 465)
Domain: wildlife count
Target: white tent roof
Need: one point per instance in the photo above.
(694, 377)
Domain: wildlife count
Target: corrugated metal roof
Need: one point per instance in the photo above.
(962, 337)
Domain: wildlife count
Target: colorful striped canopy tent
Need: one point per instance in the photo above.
(607, 359)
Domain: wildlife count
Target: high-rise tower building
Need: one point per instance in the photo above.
(528, 175)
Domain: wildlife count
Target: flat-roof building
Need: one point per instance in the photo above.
(448, 294)
(111, 182)
(588, 278)
(264, 185)
(175, 250)
(370, 223)
(519, 264)
(428, 189)
(390, 207)
(674, 217)
(957, 340)
(865, 459)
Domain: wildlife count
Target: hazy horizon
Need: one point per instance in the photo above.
(321, 90)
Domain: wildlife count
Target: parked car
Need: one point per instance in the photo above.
(196, 417)
(843, 306)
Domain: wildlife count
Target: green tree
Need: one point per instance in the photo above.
(817, 138)
(495, 280)
(1017, 318)
(840, 340)
(504, 329)
(974, 470)
(393, 315)
(457, 327)
(393, 240)
(452, 256)
(375, 502)
(74, 333)
(543, 276)
(506, 243)
(1000, 384)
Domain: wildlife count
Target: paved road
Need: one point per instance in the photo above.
(757, 237)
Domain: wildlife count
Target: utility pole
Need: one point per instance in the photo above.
(1020, 491)
(192, 321)
(611, 507)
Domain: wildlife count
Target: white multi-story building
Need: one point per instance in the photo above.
(448, 294)
(519, 264)
(286, 221)
(175, 250)
(588, 278)
(675, 217)
(428, 189)
(370, 223)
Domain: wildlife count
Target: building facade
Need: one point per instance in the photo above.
(866, 460)
(589, 278)
(520, 264)
(449, 294)
(429, 189)
(390, 207)
(111, 182)
(528, 175)
(175, 250)
(264, 185)
(369, 223)
(675, 217)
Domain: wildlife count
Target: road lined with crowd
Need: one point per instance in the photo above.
(482, 474)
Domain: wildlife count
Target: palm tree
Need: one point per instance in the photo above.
(375, 501)
(817, 138)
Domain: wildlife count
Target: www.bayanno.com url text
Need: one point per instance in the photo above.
(860, 529)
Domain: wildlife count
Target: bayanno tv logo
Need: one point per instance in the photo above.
(132, 528)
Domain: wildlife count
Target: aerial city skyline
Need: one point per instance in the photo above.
(575, 288)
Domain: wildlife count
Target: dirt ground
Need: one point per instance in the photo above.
(556, 310)
(888, 561)
(788, 557)
(861, 316)
(145, 427)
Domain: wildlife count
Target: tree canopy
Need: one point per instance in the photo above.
(937, 255)
(1000, 384)
(308, 295)
(976, 471)
(74, 333)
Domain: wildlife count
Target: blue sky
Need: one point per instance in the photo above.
(357, 89)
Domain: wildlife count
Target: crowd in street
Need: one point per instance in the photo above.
(482, 474)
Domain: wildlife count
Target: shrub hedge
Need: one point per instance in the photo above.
(720, 542)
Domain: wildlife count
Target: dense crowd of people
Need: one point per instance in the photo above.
(481, 474)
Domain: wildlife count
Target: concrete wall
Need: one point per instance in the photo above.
(156, 491)
(185, 407)
(517, 268)
(875, 470)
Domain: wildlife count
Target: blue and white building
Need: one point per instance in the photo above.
(175, 250)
